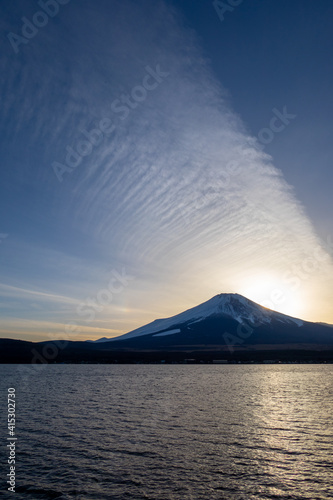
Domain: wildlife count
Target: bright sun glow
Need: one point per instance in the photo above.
(273, 293)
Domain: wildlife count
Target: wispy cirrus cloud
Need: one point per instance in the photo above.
(181, 192)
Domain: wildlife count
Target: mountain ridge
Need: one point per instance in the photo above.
(227, 326)
(232, 305)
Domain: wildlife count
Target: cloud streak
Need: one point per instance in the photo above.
(180, 193)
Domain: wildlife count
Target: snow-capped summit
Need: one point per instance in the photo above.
(243, 309)
(224, 305)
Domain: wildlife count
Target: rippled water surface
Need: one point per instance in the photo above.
(171, 431)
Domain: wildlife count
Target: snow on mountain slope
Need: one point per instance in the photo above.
(168, 332)
(231, 305)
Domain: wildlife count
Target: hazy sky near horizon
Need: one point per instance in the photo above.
(156, 153)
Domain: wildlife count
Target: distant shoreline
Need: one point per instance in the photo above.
(43, 353)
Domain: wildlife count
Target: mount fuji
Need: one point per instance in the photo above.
(228, 326)
(226, 321)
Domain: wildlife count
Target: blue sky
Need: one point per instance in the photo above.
(156, 153)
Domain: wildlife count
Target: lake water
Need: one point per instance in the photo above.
(170, 432)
